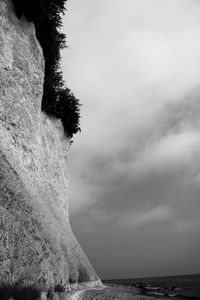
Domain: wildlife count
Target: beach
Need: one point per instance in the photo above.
(114, 292)
(155, 288)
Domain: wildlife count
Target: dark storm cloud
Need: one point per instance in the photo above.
(135, 168)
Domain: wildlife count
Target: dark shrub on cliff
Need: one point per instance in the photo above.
(57, 100)
(18, 293)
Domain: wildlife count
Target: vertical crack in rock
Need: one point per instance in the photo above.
(37, 245)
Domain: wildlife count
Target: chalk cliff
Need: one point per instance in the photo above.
(36, 242)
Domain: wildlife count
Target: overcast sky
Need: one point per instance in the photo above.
(135, 167)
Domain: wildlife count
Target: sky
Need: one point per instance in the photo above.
(135, 167)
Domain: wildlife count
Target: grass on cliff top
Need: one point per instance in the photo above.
(58, 100)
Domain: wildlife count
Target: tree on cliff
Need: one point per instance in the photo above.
(57, 100)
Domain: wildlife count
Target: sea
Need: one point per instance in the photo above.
(184, 287)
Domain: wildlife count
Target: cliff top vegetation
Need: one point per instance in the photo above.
(58, 100)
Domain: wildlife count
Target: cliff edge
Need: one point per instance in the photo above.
(37, 245)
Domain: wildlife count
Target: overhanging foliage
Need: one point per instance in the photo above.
(57, 100)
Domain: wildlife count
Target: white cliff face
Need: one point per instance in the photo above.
(36, 241)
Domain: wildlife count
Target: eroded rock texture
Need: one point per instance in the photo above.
(36, 242)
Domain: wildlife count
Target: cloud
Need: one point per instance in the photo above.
(126, 61)
(168, 154)
(135, 65)
(140, 218)
(187, 226)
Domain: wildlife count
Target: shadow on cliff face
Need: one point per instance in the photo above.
(19, 293)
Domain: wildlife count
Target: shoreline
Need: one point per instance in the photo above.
(110, 292)
(78, 294)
